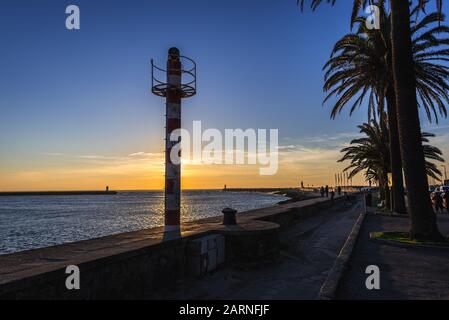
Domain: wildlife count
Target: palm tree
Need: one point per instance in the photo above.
(423, 220)
(370, 154)
(360, 66)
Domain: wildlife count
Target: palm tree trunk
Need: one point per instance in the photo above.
(423, 219)
(398, 200)
(383, 186)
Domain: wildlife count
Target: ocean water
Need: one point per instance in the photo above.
(29, 222)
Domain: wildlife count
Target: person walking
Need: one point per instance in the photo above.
(332, 195)
(339, 190)
(369, 199)
(346, 197)
(322, 191)
(433, 199)
(326, 191)
(446, 200)
(438, 202)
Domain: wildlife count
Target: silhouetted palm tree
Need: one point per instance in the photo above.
(423, 220)
(370, 154)
(360, 66)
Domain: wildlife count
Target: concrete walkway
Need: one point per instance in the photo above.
(405, 272)
(309, 251)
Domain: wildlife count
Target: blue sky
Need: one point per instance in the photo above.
(85, 93)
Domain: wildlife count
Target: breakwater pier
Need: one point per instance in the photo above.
(56, 193)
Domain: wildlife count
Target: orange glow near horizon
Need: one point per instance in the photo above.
(145, 171)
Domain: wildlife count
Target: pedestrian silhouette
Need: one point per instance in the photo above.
(438, 202)
(446, 200)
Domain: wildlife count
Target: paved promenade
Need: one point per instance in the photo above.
(309, 251)
(406, 272)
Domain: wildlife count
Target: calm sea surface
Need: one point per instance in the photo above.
(40, 221)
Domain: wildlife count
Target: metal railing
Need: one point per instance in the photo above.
(188, 89)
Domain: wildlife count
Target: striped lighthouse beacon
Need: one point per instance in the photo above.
(173, 89)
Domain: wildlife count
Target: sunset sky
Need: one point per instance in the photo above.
(77, 111)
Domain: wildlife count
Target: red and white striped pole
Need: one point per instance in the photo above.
(173, 122)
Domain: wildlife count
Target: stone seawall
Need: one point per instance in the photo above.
(128, 265)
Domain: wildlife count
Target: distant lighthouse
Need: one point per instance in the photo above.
(173, 89)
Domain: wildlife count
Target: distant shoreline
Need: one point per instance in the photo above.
(257, 189)
(294, 194)
(56, 193)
